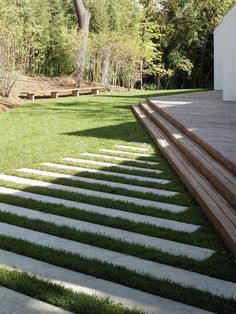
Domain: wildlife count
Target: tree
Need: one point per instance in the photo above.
(158, 30)
(148, 32)
(14, 52)
(115, 50)
(186, 39)
(83, 17)
(169, 42)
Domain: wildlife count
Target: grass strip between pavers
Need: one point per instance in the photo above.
(115, 169)
(134, 161)
(189, 215)
(179, 199)
(174, 185)
(204, 237)
(76, 179)
(154, 158)
(226, 271)
(109, 159)
(120, 275)
(57, 295)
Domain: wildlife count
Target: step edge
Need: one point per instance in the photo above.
(208, 173)
(226, 236)
(212, 151)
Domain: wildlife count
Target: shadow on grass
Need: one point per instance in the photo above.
(124, 131)
(76, 110)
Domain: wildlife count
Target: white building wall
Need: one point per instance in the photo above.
(218, 58)
(225, 56)
(229, 71)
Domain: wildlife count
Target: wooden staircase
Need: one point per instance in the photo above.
(208, 178)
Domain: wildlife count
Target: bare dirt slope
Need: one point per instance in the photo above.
(39, 85)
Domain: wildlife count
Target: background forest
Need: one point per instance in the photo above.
(149, 43)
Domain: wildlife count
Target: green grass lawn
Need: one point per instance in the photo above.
(78, 303)
(49, 130)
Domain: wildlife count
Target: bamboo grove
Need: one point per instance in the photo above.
(146, 43)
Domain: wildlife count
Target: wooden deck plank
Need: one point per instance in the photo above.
(216, 208)
(208, 117)
(219, 176)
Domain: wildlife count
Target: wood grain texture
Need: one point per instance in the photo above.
(215, 206)
(216, 173)
(207, 119)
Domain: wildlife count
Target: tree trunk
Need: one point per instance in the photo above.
(83, 16)
(158, 82)
(105, 70)
(141, 74)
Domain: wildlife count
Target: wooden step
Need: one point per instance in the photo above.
(218, 210)
(213, 170)
(211, 150)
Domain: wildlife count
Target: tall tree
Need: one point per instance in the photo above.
(83, 17)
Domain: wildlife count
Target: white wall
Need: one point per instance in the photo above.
(229, 71)
(225, 56)
(218, 58)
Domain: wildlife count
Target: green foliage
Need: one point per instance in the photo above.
(14, 53)
(168, 43)
(185, 44)
(115, 47)
(113, 16)
(50, 33)
(179, 62)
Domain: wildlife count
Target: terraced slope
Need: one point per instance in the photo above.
(114, 223)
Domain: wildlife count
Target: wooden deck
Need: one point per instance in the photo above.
(208, 118)
(197, 135)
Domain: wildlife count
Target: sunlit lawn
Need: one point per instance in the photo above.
(50, 129)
